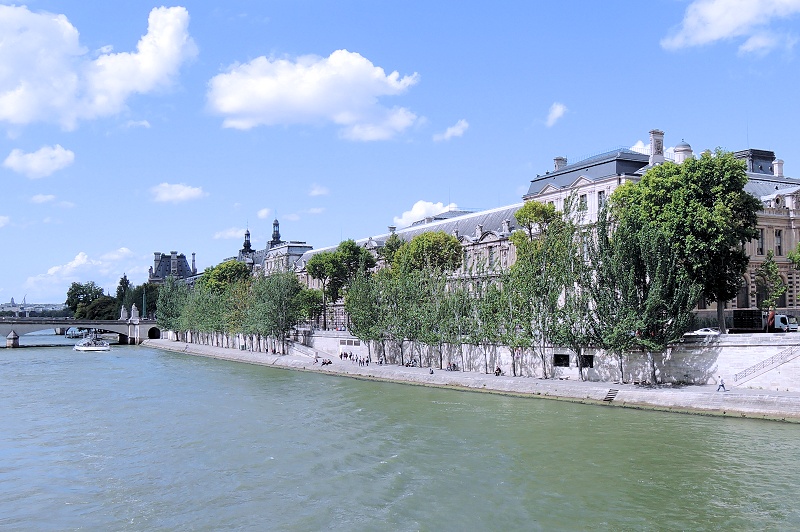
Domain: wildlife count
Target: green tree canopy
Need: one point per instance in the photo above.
(390, 247)
(702, 209)
(122, 288)
(82, 294)
(218, 277)
(435, 250)
(102, 308)
(172, 298)
(769, 283)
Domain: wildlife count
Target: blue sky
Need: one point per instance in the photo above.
(130, 128)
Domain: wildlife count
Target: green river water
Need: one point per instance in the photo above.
(138, 439)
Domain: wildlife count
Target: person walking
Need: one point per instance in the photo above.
(721, 384)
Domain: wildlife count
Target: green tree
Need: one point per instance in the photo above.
(275, 306)
(390, 247)
(354, 259)
(327, 268)
(362, 304)
(82, 294)
(769, 283)
(432, 251)
(217, 278)
(122, 288)
(135, 295)
(310, 304)
(703, 210)
(102, 308)
(172, 298)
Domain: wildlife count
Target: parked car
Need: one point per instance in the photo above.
(705, 331)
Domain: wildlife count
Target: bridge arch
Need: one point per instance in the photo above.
(154, 333)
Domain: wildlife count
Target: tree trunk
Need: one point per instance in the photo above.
(721, 317)
(621, 372)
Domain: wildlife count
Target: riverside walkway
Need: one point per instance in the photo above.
(704, 400)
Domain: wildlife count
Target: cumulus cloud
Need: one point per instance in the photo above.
(453, 131)
(41, 163)
(318, 190)
(105, 271)
(342, 89)
(48, 76)
(4, 220)
(420, 210)
(641, 147)
(42, 198)
(168, 193)
(230, 233)
(557, 110)
(708, 21)
(264, 213)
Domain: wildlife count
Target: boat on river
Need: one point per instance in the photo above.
(92, 343)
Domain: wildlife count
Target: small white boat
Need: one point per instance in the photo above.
(92, 343)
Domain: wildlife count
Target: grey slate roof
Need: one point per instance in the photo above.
(491, 220)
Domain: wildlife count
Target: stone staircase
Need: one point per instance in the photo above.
(756, 370)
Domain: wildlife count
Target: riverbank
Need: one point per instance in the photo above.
(698, 399)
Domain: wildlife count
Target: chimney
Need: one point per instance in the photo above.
(392, 229)
(506, 226)
(479, 231)
(560, 162)
(173, 263)
(194, 268)
(777, 167)
(656, 147)
(156, 261)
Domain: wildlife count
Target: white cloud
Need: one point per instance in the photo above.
(4, 220)
(708, 21)
(41, 163)
(42, 198)
(166, 192)
(117, 254)
(557, 110)
(641, 147)
(230, 233)
(316, 210)
(342, 89)
(264, 213)
(420, 210)
(292, 217)
(48, 76)
(453, 131)
(318, 190)
(105, 271)
(137, 123)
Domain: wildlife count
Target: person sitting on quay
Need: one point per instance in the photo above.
(497, 371)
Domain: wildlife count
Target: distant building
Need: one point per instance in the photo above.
(278, 255)
(173, 264)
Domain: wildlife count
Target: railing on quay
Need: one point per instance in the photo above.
(775, 360)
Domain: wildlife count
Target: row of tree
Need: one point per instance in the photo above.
(228, 299)
(627, 283)
(89, 301)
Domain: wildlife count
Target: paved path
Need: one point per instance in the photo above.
(738, 402)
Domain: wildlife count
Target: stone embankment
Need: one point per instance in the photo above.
(699, 399)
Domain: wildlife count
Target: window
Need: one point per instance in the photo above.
(778, 242)
(491, 256)
(601, 199)
(586, 361)
(582, 202)
(561, 361)
(760, 248)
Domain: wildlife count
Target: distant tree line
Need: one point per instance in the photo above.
(89, 301)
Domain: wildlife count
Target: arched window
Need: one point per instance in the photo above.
(743, 297)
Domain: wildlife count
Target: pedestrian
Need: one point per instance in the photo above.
(721, 384)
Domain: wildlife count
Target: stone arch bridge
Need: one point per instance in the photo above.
(131, 331)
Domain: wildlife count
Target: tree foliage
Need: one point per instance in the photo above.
(172, 298)
(769, 283)
(82, 294)
(219, 277)
(431, 251)
(703, 211)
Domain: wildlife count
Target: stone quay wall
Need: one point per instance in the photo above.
(694, 361)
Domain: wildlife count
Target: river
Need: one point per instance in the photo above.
(138, 439)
